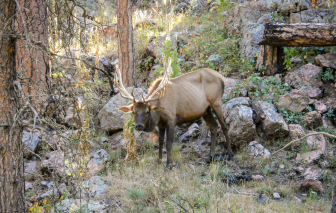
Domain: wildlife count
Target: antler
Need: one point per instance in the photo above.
(160, 89)
(119, 84)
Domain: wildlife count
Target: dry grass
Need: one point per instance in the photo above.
(145, 186)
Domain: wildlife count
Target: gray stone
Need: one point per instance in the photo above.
(30, 141)
(318, 145)
(295, 101)
(276, 196)
(96, 163)
(190, 64)
(215, 58)
(72, 205)
(295, 131)
(30, 167)
(28, 186)
(233, 89)
(51, 193)
(307, 76)
(94, 188)
(320, 107)
(295, 18)
(111, 119)
(312, 120)
(239, 118)
(181, 8)
(313, 174)
(54, 161)
(326, 60)
(255, 149)
(273, 125)
(47, 184)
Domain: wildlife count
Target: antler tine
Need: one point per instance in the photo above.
(165, 80)
(119, 84)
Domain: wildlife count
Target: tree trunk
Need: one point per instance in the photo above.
(270, 60)
(333, 205)
(31, 62)
(125, 42)
(11, 149)
(299, 34)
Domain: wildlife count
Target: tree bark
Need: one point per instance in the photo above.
(125, 42)
(31, 62)
(333, 205)
(299, 34)
(11, 149)
(270, 60)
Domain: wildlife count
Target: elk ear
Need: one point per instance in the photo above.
(126, 108)
(156, 109)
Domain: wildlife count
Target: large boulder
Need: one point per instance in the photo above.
(306, 76)
(312, 120)
(111, 119)
(256, 149)
(272, 124)
(312, 184)
(193, 131)
(73, 205)
(296, 131)
(94, 188)
(295, 101)
(326, 60)
(54, 161)
(238, 116)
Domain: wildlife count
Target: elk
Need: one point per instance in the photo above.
(174, 101)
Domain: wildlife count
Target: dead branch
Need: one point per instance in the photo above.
(315, 133)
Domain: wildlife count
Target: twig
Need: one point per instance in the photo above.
(33, 153)
(4, 125)
(244, 193)
(315, 133)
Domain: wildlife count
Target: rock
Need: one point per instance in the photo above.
(94, 188)
(51, 193)
(295, 18)
(306, 76)
(180, 60)
(216, 59)
(313, 174)
(28, 186)
(261, 199)
(273, 125)
(30, 141)
(258, 177)
(155, 44)
(276, 196)
(320, 107)
(312, 120)
(30, 167)
(295, 101)
(54, 161)
(233, 89)
(47, 184)
(72, 205)
(256, 149)
(118, 140)
(112, 120)
(193, 131)
(318, 144)
(181, 7)
(266, 18)
(96, 163)
(104, 139)
(281, 166)
(247, 19)
(62, 189)
(75, 115)
(143, 137)
(299, 170)
(297, 200)
(315, 185)
(145, 23)
(311, 16)
(295, 131)
(326, 60)
(190, 64)
(239, 118)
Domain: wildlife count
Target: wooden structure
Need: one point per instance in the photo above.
(279, 35)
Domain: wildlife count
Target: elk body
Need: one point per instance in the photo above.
(173, 101)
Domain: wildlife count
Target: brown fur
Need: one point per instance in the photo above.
(185, 98)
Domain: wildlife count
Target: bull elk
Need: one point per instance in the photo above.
(178, 100)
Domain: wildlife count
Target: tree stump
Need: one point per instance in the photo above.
(270, 60)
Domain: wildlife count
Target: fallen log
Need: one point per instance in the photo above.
(299, 34)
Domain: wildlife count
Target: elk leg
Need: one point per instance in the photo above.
(169, 142)
(161, 140)
(212, 124)
(219, 113)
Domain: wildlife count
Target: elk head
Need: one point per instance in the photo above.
(145, 114)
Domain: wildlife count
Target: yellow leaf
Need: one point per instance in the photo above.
(76, 86)
(243, 60)
(263, 72)
(257, 55)
(204, 46)
(188, 44)
(313, 5)
(45, 201)
(305, 57)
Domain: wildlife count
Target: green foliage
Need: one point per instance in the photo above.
(306, 54)
(169, 52)
(329, 130)
(266, 170)
(327, 75)
(224, 5)
(290, 117)
(276, 17)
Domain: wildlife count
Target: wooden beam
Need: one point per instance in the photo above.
(299, 34)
